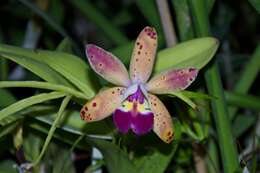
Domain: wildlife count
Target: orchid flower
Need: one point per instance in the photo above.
(133, 103)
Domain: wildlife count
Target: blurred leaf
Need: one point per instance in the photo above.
(65, 46)
(195, 53)
(57, 154)
(94, 15)
(115, 159)
(149, 10)
(255, 4)
(247, 77)
(7, 114)
(242, 100)
(241, 124)
(8, 166)
(5, 130)
(45, 16)
(158, 158)
(209, 5)
(6, 98)
(31, 146)
(183, 19)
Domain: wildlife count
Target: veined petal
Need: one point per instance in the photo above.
(103, 104)
(143, 55)
(107, 65)
(171, 80)
(163, 125)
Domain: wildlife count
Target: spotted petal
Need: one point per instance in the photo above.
(103, 104)
(143, 56)
(171, 80)
(107, 65)
(163, 125)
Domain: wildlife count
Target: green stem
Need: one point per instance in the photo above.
(224, 133)
(53, 128)
(42, 85)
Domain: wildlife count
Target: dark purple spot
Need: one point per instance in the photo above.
(94, 104)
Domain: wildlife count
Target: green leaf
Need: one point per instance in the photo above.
(241, 124)
(115, 159)
(42, 85)
(184, 98)
(255, 4)
(194, 53)
(40, 69)
(6, 113)
(71, 67)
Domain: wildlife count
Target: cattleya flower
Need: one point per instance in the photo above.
(133, 103)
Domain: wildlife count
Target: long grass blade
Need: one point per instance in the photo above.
(53, 128)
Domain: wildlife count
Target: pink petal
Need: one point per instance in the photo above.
(171, 80)
(163, 125)
(143, 55)
(107, 65)
(103, 104)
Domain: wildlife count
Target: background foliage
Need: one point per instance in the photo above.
(42, 91)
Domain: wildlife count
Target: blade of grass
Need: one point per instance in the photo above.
(220, 113)
(53, 128)
(6, 113)
(247, 77)
(90, 12)
(43, 85)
